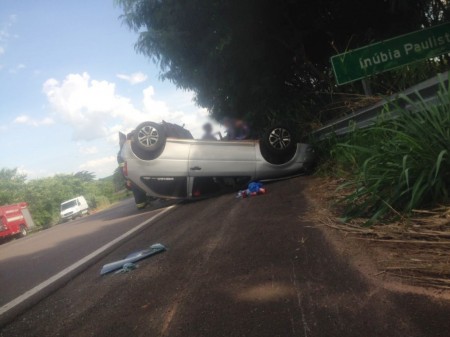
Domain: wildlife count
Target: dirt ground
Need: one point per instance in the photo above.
(262, 266)
(404, 255)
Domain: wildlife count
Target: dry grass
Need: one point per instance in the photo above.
(346, 105)
(417, 248)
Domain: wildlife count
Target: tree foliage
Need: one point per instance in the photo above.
(261, 58)
(118, 179)
(11, 185)
(85, 176)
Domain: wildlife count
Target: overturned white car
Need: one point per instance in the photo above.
(164, 161)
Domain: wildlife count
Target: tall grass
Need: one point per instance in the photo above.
(400, 164)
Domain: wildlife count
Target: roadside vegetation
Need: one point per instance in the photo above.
(389, 184)
(400, 164)
(45, 195)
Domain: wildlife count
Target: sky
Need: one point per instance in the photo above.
(70, 80)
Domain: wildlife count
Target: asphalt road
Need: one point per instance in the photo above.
(235, 267)
(28, 261)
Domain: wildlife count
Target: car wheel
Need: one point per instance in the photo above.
(278, 144)
(23, 231)
(149, 136)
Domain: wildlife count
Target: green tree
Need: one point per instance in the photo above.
(85, 176)
(12, 186)
(118, 179)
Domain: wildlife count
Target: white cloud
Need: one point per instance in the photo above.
(17, 68)
(89, 106)
(181, 99)
(102, 167)
(134, 78)
(158, 109)
(88, 149)
(24, 119)
(23, 170)
(95, 110)
(34, 174)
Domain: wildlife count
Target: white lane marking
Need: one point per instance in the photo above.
(26, 295)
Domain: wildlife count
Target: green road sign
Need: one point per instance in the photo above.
(389, 54)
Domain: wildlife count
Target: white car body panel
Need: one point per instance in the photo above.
(214, 158)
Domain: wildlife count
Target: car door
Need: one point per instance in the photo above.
(222, 159)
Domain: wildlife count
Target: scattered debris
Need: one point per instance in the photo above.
(133, 257)
(127, 267)
(254, 188)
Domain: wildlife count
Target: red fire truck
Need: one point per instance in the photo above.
(15, 220)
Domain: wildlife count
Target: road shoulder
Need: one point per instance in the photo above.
(368, 257)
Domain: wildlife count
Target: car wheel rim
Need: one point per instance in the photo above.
(148, 136)
(279, 138)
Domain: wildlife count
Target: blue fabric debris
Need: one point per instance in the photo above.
(254, 188)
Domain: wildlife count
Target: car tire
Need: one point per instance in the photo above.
(278, 144)
(23, 231)
(149, 137)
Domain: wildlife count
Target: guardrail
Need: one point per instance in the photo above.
(367, 116)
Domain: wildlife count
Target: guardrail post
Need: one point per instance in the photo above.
(366, 86)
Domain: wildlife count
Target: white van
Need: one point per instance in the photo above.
(73, 208)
